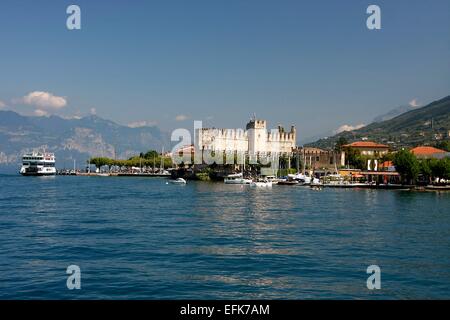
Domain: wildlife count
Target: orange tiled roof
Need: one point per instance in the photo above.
(424, 150)
(387, 164)
(366, 144)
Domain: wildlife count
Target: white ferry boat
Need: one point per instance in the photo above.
(38, 164)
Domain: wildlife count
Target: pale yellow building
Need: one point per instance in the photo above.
(369, 148)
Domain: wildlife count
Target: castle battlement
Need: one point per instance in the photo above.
(255, 139)
(256, 124)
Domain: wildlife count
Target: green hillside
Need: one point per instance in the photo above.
(428, 125)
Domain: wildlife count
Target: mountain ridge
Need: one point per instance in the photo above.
(72, 139)
(422, 125)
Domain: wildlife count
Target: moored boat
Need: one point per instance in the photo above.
(236, 178)
(261, 184)
(102, 174)
(438, 187)
(303, 179)
(273, 179)
(288, 183)
(316, 184)
(346, 184)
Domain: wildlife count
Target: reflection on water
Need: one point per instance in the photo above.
(141, 238)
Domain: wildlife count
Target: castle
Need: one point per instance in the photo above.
(254, 140)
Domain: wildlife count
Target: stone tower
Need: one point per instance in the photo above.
(257, 136)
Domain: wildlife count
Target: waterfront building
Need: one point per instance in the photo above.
(369, 148)
(316, 158)
(427, 152)
(254, 140)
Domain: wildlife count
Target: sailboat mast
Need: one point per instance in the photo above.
(162, 159)
(335, 163)
(304, 160)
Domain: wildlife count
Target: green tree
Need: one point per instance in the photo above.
(355, 159)
(444, 145)
(446, 163)
(101, 161)
(407, 166)
(151, 154)
(340, 143)
(425, 170)
(440, 168)
(387, 157)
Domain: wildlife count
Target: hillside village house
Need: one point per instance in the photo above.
(427, 152)
(376, 171)
(369, 148)
(372, 150)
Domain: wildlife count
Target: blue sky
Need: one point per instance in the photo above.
(309, 63)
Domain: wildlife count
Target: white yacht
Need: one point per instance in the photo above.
(236, 178)
(302, 178)
(38, 164)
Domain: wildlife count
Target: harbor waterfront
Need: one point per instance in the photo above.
(140, 238)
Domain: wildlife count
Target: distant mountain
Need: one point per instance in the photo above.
(72, 139)
(425, 125)
(393, 113)
(305, 141)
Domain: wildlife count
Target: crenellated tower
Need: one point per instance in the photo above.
(257, 132)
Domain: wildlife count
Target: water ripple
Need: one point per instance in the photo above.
(143, 239)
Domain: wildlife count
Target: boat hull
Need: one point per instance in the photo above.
(37, 174)
(243, 181)
(438, 188)
(288, 183)
(261, 184)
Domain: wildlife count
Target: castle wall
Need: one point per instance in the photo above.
(255, 139)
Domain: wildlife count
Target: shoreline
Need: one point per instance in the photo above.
(399, 187)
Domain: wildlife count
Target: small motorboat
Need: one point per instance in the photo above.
(236, 178)
(103, 174)
(301, 178)
(177, 181)
(273, 179)
(316, 184)
(443, 187)
(288, 182)
(261, 184)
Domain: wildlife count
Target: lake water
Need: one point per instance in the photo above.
(140, 238)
